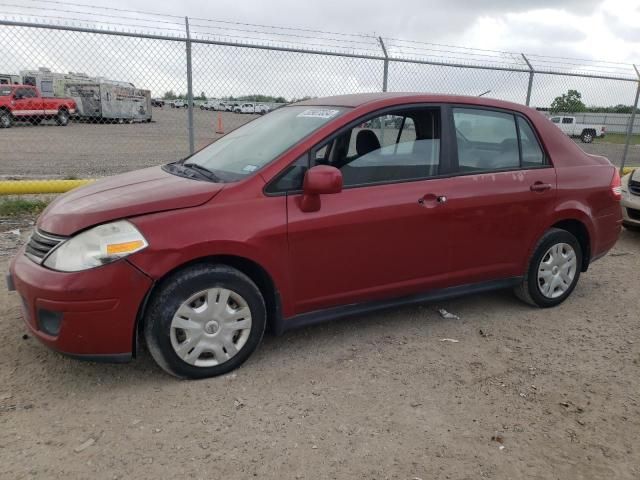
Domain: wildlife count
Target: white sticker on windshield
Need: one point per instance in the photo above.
(319, 113)
(250, 168)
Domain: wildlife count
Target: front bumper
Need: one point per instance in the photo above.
(630, 204)
(89, 314)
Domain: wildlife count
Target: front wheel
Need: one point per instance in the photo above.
(62, 118)
(553, 271)
(6, 119)
(204, 321)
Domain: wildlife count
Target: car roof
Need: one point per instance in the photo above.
(399, 98)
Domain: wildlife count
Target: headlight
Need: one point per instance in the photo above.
(97, 246)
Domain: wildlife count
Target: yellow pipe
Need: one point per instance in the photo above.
(627, 170)
(26, 187)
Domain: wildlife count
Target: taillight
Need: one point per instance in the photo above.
(616, 185)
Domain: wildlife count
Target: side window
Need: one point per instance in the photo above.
(486, 140)
(532, 154)
(389, 148)
(30, 93)
(555, 119)
(566, 120)
(20, 93)
(291, 177)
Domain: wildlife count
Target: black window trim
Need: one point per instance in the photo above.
(449, 166)
(546, 162)
(445, 143)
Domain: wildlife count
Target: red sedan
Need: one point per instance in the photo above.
(318, 210)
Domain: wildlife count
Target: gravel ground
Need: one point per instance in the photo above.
(92, 150)
(377, 396)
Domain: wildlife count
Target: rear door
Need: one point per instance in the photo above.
(569, 125)
(386, 233)
(503, 190)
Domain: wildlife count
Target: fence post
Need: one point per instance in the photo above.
(189, 89)
(631, 123)
(531, 72)
(385, 75)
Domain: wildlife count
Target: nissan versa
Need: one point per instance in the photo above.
(318, 210)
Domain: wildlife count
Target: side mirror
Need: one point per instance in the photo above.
(319, 180)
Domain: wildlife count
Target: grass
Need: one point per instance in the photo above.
(14, 207)
(619, 138)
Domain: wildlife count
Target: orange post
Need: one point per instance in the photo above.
(220, 128)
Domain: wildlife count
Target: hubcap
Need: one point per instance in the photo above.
(557, 270)
(211, 327)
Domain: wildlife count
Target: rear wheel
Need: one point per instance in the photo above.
(553, 271)
(62, 118)
(6, 119)
(204, 321)
(587, 136)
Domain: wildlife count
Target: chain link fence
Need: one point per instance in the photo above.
(120, 95)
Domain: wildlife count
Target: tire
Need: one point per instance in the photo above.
(62, 119)
(632, 228)
(202, 108)
(587, 136)
(532, 286)
(6, 119)
(196, 282)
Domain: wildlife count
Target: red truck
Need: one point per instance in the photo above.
(24, 103)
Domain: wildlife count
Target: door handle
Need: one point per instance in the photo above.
(540, 187)
(430, 200)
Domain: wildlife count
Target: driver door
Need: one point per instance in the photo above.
(385, 234)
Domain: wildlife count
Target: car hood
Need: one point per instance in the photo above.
(130, 194)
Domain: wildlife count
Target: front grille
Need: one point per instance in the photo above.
(633, 213)
(634, 187)
(40, 244)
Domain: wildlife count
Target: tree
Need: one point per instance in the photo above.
(170, 95)
(202, 96)
(570, 102)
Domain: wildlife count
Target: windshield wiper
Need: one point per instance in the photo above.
(204, 171)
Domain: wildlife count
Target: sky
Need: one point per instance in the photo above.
(598, 29)
(604, 30)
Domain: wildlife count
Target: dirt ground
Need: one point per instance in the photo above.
(381, 396)
(83, 150)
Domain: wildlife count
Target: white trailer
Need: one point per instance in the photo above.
(108, 101)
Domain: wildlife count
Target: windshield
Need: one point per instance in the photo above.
(5, 91)
(253, 145)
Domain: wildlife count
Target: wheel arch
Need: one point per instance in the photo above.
(579, 230)
(256, 272)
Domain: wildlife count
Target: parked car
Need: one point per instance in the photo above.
(315, 218)
(24, 103)
(251, 108)
(156, 102)
(261, 108)
(586, 132)
(213, 105)
(179, 104)
(631, 200)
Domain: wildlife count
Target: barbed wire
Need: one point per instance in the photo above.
(306, 38)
